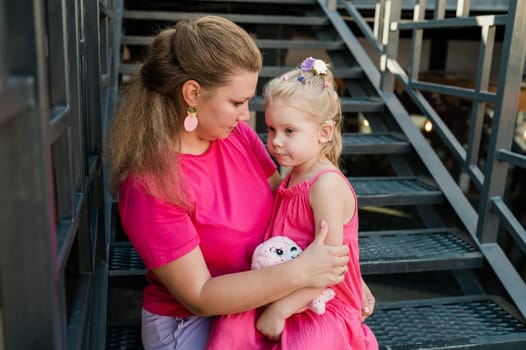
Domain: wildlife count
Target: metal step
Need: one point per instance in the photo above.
(145, 40)
(124, 335)
(124, 260)
(376, 143)
(464, 322)
(173, 16)
(267, 71)
(416, 250)
(390, 191)
(380, 252)
(349, 104)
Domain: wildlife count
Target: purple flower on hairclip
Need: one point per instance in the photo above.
(307, 64)
(313, 65)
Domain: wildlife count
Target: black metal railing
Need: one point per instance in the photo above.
(487, 172)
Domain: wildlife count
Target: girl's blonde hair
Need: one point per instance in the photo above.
(311, 92)
(144, 139)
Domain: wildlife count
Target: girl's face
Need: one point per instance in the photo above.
(220, 110)
(293, 135)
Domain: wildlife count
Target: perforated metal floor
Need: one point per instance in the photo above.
(464, 322)
(384, 191)
(416, 250)
(451, 323)
(124, 260)
(124, 337)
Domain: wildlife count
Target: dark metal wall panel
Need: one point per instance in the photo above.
(52, 207)
(30, 290)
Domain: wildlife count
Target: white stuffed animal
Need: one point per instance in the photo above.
(279, 249)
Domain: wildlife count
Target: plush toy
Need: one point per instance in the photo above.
(279, 249)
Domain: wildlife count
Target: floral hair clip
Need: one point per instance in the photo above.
(316, 66)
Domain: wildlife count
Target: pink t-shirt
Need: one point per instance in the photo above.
(233, 202)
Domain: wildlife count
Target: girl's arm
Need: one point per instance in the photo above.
(190, 282)
(330, 200)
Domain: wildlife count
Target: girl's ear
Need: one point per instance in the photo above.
(326, 131)
(190, 91)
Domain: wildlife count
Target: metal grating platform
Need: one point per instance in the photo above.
(356, 143)
(124, 260)
(384, 191)
(415, 250)
(475, 322)
(124, 337)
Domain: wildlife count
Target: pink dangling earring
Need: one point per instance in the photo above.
(190, 121)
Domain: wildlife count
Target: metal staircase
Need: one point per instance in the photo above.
(445, 260)
(438, 234)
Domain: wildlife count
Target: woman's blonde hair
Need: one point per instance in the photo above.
(313, 93)
(144, 138)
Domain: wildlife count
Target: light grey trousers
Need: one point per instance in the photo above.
(172, 333)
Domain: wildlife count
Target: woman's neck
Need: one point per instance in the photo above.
(192, 144)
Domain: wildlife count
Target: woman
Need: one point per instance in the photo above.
(195, 185)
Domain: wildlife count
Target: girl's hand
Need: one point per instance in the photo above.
(368, 301)
(271, 323)
(321, 265)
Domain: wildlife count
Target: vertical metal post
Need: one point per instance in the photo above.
(504, 117)
(462, 8)
(416, 42)
(440, 9)
(487, 42)
(378, 19)
(390, 40)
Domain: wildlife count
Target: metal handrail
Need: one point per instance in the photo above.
(493, 214)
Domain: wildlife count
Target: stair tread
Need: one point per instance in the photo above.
(451, 322)
(445, 322)
(309, 20)
(416, 250)
(349, 104)
(379, 143)
(374, 143)
(267, 71)
(394, 190)
(145, 40)
(386, 251)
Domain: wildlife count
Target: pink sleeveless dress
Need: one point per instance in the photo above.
(340, 327)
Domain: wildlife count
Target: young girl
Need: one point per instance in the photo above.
(303, 117)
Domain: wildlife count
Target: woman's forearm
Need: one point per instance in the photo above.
(247, 290)
(189, 280)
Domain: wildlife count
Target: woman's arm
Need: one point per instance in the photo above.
(190, 282)
(274, 180)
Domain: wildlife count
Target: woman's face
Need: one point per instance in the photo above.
(220, 110)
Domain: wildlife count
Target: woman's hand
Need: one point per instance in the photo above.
(321, 265)
(368, 301)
